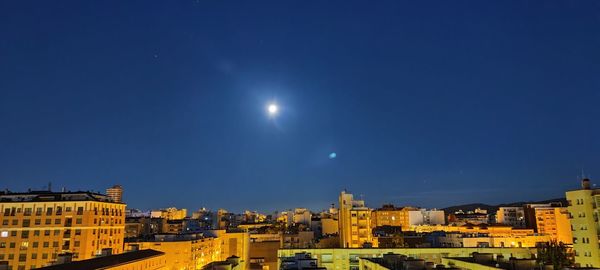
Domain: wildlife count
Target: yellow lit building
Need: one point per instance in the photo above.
(329, 226)
(182, 254)
(388, 215)
(554, 221)
(583, 211)
(115, 193)
(354, 222)
(37, 226)
(170, 213)
(233, 244)
(348, 258)
(491, 230)
(194, 251)
(483, 240)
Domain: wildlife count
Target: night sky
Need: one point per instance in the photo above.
(428, 103)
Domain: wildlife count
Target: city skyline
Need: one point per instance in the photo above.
(408, 103)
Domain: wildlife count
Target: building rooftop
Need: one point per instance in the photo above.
(107, 261)
(48, 196)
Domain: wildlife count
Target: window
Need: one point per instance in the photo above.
(56, 232)
(38, 211)
(49, 211)
(4, 234)
(69, 209)
(5, 222)
(46, 244)
(34, 256)
(35, 244)
(46, 232)
(57, 221)
(15, 222)
(80, 210)
(25, 234)
(27, 211)
(44, 256)
(22, 257)
(11, 245)
(55, 244)
(26, 222)
(48, 221)
(37, 221)
(78, 232)
(78, 221)
(36, 233)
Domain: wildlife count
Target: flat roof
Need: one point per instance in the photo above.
(106, 261)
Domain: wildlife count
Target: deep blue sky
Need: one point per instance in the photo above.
(430, 103)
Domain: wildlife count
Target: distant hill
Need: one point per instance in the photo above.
(494, 208)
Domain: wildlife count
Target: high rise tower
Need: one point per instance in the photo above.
(115, 193)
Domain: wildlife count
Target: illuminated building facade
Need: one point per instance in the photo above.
(584, 205)
(354, 222)
(170, 213)
(348, 258)
(513, 216)
(37, 226)
(182, 251)
(115, 193)
(389, 215)
(554, 221)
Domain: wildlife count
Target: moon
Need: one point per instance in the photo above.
(272, 109)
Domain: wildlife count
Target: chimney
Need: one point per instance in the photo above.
(64, 258)
(106, 252)
(585, 183)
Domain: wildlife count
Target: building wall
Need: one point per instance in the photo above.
(234, 244)
(554, 221)
(354, 222)
(188, 255)
(494, 231)
(329, 226)
(171, 213)
(584, 216)
(344, 258)
(398, 217)
(513, 216)
(32, 236)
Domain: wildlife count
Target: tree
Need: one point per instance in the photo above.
(554, 253)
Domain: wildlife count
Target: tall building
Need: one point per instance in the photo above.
(584, 205)
(38, 226)
(115, 193)
(554, 221)
(354, 222)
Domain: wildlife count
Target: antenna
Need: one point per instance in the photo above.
(49, 186)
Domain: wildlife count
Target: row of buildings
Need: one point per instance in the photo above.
(45, 228)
